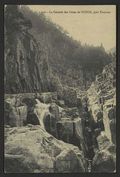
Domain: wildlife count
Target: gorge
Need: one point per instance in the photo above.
(60, 99)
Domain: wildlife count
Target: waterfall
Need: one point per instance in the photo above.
(41, 110)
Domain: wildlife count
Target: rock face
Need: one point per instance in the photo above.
(15, 115)
(71, 131)
(102, 106)
(29, 69)
(102, 101)
(33, 150)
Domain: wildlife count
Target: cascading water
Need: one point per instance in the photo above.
(41, 110)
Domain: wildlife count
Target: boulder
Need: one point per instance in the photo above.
(14, 116)
(105, 158)
(71, 131)
(45, 97)
(65, 130)
(103, 162)
(68, 162)
(33, 150)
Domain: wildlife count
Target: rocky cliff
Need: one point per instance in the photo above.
(26, 66)
(102, 107)
(102, 100)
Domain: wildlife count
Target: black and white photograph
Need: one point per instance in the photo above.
(59, 88)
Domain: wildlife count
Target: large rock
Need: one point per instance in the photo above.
(105, 158)
(47, 97)
(103, 162)
(68, 161)
(71, 131)
(32, 150)
(65, 129)
(14, 115)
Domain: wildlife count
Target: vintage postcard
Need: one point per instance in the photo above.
(60, 88)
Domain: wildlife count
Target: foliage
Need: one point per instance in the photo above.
(63, 51)
(15, 22)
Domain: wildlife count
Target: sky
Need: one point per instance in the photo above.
(91, 24)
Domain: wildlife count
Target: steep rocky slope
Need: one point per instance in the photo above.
(102, 107)
(102, 100)
(26, 67)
